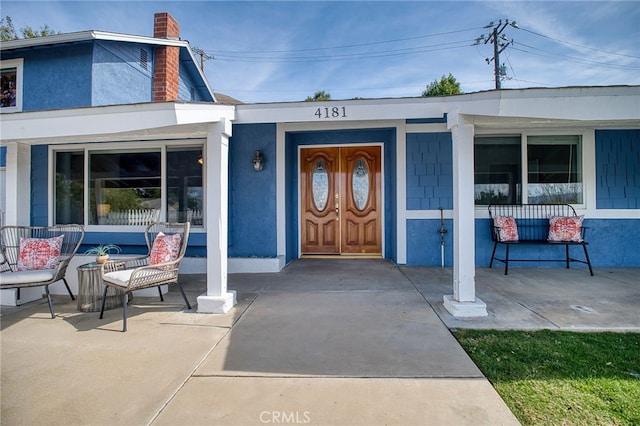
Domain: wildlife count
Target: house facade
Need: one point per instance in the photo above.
(121, 129)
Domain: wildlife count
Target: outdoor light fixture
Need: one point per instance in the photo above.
(258, 161)
(200, 160)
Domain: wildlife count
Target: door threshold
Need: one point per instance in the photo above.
(341, 256)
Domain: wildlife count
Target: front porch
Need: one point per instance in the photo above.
(310, 341)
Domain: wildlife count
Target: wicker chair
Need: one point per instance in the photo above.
(10, 275)
(144, 272)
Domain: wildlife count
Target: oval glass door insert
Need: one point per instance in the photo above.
(360, 184)
(320, 184)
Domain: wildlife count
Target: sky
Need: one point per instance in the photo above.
(279, 51)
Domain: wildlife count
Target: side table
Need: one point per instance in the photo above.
(91, 289)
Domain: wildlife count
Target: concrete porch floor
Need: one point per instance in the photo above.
(329, 342)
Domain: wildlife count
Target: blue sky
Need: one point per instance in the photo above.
(271, 51)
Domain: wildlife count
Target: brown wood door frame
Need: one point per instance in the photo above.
(341, 228)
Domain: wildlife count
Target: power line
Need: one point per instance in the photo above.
(347, 46)
(571, 58)
(347, 57)
(581, 46)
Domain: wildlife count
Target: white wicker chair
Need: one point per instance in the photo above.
(10, 237)
(137, 273)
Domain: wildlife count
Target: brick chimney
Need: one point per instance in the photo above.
(166, 64)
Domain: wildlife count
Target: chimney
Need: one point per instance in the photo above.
(166, 64)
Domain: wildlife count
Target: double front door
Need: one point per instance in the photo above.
(341, 206)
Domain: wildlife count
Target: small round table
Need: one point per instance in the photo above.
(91, 289)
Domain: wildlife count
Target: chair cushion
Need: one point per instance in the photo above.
(508, 229)
(120, 278)
(26, 277)
(166, 248)
(565, 228)
(39, 253)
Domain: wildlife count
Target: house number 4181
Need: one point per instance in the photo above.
(331, 112)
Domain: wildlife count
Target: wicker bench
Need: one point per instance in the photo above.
(548, 224)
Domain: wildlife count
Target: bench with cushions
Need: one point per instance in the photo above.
(37, 256)
(548, 224)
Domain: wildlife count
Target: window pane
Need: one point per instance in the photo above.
(554, 169)
(69, 189)
(9, 84)
(360, 184)
(498, 171)
(124, 188)
(320, 184)
(184, 185)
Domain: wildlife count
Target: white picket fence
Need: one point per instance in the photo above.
(132, 217)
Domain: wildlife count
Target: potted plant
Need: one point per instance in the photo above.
(102, 252)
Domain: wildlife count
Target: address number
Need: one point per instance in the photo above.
(331, 112)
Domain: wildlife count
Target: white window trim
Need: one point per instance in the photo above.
(18, 64)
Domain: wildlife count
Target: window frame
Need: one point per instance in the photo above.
(585, 143)
(141, 146)
(18, 64)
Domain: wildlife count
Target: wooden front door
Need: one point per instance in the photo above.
(340, 200)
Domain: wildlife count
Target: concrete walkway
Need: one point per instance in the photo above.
(328, 342)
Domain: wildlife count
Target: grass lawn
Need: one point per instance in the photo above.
(561, 378)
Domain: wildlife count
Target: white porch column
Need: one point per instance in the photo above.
(217, 300)
(463, 302)
(18, 184)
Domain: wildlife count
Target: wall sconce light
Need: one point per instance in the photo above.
(200, 160)
(258, 161)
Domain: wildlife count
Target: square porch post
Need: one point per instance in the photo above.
(218, 299)
(463, 302)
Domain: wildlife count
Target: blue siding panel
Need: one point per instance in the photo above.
(423, 242)
(252, 195)
(612, 244)
(429, 171)
(617, 169)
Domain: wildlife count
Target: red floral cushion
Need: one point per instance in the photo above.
(39, 253)
(507, 228)
(165, 248)
(565, 228)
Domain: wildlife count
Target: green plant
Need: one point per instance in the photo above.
(104, 249)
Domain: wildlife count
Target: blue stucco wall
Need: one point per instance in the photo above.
(429, 171)
(55, 78)
(118, 77)
(618, 169)
(252, 195)
(423, 242)
(336, 137)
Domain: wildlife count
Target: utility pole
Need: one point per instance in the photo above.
(203, 56)
(500, 42)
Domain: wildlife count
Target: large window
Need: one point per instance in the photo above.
(498, 170)
(129, 187)
(531, 169)
(11, 85)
